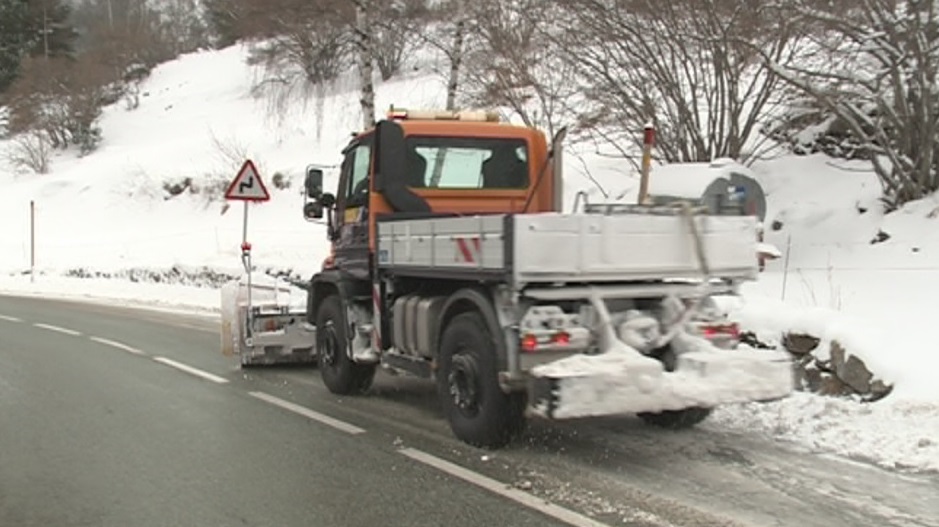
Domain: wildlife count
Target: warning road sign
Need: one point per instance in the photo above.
(247, 185)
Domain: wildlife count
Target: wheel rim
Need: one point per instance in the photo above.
(330, 345)
(463, 384)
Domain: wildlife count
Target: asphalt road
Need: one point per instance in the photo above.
(130, 417)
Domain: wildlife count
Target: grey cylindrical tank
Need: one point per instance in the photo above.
(718, 195)
(718, 185)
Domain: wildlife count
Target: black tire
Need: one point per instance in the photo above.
(676, 419)
(479, 412)
(673, 419)
(340, 374)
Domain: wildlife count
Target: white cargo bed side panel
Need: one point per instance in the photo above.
(470, 243)
(559, 247)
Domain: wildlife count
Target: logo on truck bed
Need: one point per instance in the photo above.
(468, 250)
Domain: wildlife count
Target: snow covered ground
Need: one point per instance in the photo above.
(110, 212)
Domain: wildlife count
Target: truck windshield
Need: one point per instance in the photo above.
(467, 163)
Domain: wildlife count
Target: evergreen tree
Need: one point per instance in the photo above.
(55, 34)
(38, 28)
(17, 37)
(223, 17)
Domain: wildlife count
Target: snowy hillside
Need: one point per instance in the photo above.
(112, 212)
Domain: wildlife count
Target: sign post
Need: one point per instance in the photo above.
(247, 187)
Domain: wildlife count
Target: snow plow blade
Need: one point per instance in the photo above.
(615, 383)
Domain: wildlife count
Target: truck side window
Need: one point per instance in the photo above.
(357, 191)
(470, 163)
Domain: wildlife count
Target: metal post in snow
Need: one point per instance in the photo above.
(648, 141)
(246, 257)
(786, 266)
(32, 241)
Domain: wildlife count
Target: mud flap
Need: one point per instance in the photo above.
(612, 384)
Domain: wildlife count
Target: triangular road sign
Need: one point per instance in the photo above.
(247, 185)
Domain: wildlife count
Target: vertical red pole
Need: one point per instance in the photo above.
(648, 142)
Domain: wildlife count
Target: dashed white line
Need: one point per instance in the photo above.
(57, 329)
(190, 370)
(311, 414)
(10, 319)
(528, 500)
(118, 345)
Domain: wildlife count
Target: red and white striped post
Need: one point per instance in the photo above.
(648, 142)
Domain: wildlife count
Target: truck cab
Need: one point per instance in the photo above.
(420, 164)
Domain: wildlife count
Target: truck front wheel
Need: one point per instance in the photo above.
(479, 412)
(340, 374)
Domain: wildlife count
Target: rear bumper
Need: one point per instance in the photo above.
(628, 383)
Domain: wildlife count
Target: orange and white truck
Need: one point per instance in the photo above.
(453, 260)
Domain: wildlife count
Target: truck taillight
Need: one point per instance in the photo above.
(529, 343)
(712, 331)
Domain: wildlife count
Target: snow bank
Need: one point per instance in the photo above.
(892, 433)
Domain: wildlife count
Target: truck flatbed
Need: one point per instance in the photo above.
(561, 248)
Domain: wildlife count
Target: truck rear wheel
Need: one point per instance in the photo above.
(479, 412)
(676, 419)
(340, 374)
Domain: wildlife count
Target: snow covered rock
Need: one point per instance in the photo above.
(839, 374)
(799, 344)
(854, 372)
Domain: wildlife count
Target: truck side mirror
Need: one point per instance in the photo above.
(313, 182)
(313, 209)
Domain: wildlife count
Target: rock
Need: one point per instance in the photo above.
(799, 344)
(833, 386)
(850, 369)
(879, 390)
(811, 379)
(749, 338)
(880, 237)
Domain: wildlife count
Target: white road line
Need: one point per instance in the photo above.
(10, 319)
(306, 412)
(57, 329)
(555, 511)
(189, 369)
(118, 345)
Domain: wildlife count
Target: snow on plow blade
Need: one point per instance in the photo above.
(618, 383)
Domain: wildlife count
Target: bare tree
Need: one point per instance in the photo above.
(30, 151)
(445, 31)
(364, 11)
(62, 98)
(874, 66)
(515, 64)
(300, 45)
(691, 68)
(395, 26)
